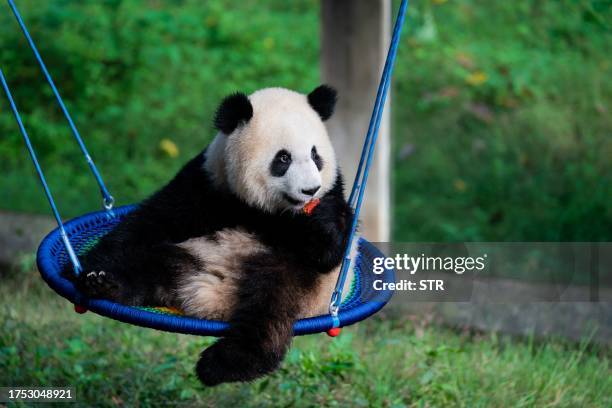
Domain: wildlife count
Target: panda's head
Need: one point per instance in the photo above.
(273, 150)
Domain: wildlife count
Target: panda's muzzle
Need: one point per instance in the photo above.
(311, 192)
(292, 200)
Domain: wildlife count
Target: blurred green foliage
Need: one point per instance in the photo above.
(133, 74)
(502, 124)
(502, 120)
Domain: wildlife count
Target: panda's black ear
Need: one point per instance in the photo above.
(323, 101)
(235, 110)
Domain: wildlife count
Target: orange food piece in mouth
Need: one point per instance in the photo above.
(310, 206)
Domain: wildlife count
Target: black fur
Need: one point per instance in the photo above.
(318, 160)
(235, 110)
(140, 263)
(261, 326)
(280, 164)
(323, 100)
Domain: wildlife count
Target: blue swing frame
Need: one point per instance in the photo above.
(71, 239)
(52, 259)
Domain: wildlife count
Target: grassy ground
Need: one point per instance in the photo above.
(381, 362)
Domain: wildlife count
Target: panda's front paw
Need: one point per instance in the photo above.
(96, 284)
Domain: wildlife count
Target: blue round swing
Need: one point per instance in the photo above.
(69, 240)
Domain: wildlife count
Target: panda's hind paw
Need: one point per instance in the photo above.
(228, 361)
(96, 284)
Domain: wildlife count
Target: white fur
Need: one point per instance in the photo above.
(282, 119)
(211, 292)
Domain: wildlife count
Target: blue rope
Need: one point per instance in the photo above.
(379, 102)
(365, 162)
(108, 200)
(71, 254)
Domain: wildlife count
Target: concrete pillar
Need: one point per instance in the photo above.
(355, 37)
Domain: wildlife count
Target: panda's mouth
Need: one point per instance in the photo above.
(292, 200)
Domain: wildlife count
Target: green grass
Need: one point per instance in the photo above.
(383, 362)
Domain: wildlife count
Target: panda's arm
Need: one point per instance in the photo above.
(323, 235)
(317, 240)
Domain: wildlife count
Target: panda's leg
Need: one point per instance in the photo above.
(144, 278)
(235, 359)
(261, 326)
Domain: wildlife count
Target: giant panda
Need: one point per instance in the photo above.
(228, 237)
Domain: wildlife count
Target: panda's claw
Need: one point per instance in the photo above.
(96, 284)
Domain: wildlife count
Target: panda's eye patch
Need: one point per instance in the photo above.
(316, 158)
(284, 158)
(281, 163)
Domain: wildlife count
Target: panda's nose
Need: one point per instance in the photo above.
(312, 191)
